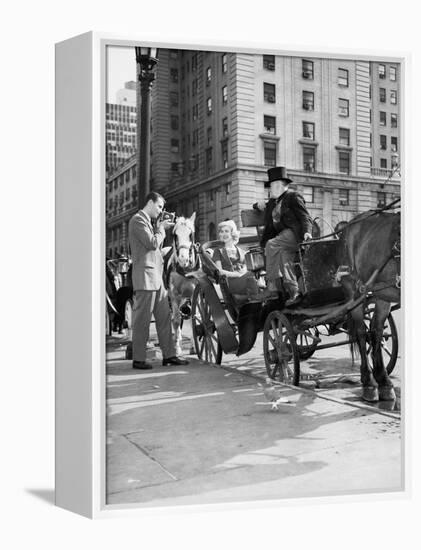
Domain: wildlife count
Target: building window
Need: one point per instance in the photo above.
(209, 105)
(307, 69)
(371, 140)
(382, 118)
(208, 75)
(392, 73)
(195, 138)
(393, 120)
(224, 151)
(269, 62)
(309, 159)
(212, 232)
(175, 145)
(382, 71)
(208, 165)
(344, 197)
(394, 144)
(393, 97)
(269, 92)
(174, 122)
(308, 101)
(270, 153)
(381, 199)
(308, 194)
(343, 107)
(344, 136)
(382, 95)
(194, 87)
(174, 167)
(224, 63)
(211, 197)
(344, 162)
(209, 136)
(174, 75)
(383, 163)
(369, 116)
(308, 130)
(134, 172)
(227, 192)
(394, 161)
(194, 62)
(174, 99)
(224, 95)
(225, 126)
(383, 142)
(343, 77)
(195, 111)
(269, 124)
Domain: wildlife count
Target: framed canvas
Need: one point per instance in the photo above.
(195, 390)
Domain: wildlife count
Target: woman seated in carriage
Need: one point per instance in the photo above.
(231, 261)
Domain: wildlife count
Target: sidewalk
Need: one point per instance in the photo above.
(201, 434)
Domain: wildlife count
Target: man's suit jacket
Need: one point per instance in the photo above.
(145, 246)
(294, 216)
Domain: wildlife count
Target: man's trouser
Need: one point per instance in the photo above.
(280, 255)
(146, 302)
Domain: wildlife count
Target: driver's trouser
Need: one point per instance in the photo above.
(280, 256)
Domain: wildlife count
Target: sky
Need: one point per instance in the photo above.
(121, 67)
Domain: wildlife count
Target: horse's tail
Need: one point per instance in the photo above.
(352, 329)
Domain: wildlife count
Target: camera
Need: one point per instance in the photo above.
(168, 216)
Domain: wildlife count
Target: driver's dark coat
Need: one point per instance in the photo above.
(294, 216)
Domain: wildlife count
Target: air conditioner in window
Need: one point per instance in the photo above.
(271, 98)
(271, 66)
(306, 75)
(343, 202)
(380, 204)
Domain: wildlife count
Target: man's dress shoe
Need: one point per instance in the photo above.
(174, 361)
(142, 365)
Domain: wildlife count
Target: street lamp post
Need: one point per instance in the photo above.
(146, 59)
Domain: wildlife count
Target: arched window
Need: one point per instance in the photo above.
(212, 232)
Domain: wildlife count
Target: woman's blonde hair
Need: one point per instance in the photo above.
(234, 231)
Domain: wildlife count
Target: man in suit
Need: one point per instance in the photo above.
(149, 293)
(287, 222)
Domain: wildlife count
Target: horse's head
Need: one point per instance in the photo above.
(183, 235)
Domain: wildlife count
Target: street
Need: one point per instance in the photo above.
(206, 434)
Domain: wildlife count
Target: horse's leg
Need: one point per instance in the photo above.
(176, 325)
(370, 390)
(386, 391)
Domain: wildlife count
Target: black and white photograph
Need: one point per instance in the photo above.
(254, 317)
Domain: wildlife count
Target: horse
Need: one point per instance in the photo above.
(370, 249)
(181, 259)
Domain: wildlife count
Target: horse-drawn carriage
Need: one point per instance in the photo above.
(353, 298)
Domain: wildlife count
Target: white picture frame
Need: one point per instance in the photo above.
(80, 303)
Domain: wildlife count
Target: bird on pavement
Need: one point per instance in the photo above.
(273, 395)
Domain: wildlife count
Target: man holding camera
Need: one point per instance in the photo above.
(149, 293)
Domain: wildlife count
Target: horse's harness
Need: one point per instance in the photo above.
(364, 288)
(193, 256)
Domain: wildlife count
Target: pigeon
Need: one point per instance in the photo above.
(273, 395)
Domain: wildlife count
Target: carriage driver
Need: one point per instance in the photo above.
(287, 222)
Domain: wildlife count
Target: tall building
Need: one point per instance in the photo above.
(120, 127)
(220, 120)
(127, 95)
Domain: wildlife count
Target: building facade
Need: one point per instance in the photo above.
(120, 128)
(219, 120)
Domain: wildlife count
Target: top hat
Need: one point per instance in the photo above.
(278, 173)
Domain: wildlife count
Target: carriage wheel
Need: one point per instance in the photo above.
(205, 337)
(280, 350)
(389, 341)
(307, 342)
